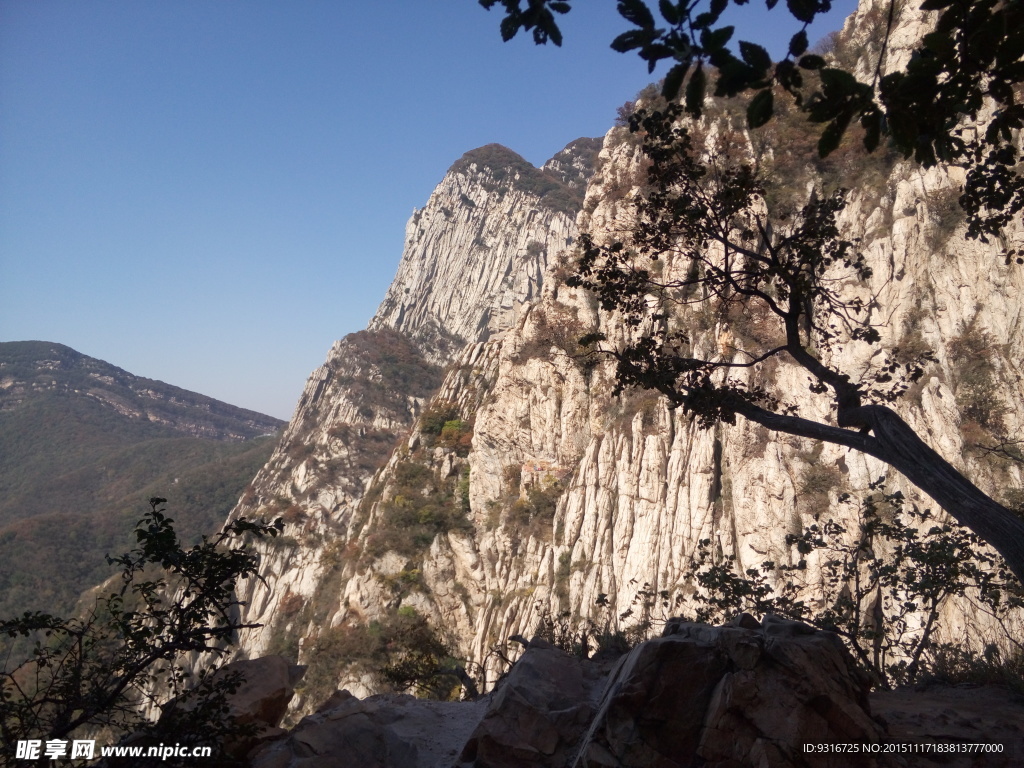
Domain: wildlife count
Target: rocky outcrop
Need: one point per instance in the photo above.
(475, 255)
(385, 731)
(741, 695)
(698, 695)
(480, 247)
(523, 486)
(537, 714)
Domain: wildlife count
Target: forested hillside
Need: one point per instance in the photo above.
(83, 446)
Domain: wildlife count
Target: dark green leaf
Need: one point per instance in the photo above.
(547, 29)
(755, 56)
(509, 26)
(760, 109)
(654, 53)
(733, 75)
(872, 124)
(704, 20)
(798, 44)
(637, 12)
(674, 81)
(560, 7)
(831, 136)
(695, 91)
(802, 10)
(935, 5)
(787, 75)
(627, 41)
(838, 81)
(811, 61)
(669, 12)
(715, 39)
(1011, 50)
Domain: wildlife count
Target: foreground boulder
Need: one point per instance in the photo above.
(731, 696)
(538, 713)
(385, 731)
(745, 695)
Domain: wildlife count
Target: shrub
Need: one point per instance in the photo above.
(560, 327)
(944, 214)
(974, 379)
(434, 418)
(400, 649)
(952, 665)
(819, 480)
(535, 513)
(885, 583)
(95, 671)
(457, 435)
(294, 514)
(419, 507)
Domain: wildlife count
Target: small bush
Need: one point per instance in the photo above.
(819, 480)
(974, 380)
(953, 665)
(944, 214)
(456, 435)
(294, 514)
(418, 508)
(436, 416)
(535, 514)
(401, 649)
(886, 607)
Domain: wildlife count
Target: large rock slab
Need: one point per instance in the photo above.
(384, 731)
(988, 720)
(536, 716)
(750, 695)
(725, 697)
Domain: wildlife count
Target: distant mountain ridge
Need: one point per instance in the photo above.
(83, 445)
(42, 366)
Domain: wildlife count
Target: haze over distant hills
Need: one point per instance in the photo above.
(84, 445)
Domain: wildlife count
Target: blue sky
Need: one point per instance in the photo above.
(210, 192)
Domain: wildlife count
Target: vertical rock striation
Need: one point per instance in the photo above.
(474, 256)
(464, 461)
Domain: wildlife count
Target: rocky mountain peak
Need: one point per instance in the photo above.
(480, 246)
(574, 164)
(524, 486)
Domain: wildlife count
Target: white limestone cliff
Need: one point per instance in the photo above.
(553, 493)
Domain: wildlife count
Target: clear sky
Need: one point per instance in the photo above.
(210, 192)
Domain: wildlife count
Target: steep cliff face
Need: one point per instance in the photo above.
(491, 472)
(475, 255)
(479, 249)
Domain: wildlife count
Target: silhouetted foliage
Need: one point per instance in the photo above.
(97, 670)
(885, 585)
(970, 61)
(708, 209)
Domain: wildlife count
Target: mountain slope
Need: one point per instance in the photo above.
(523, 485)
(83, 445)
(466, 272)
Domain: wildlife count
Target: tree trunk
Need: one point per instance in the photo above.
(893, 441)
